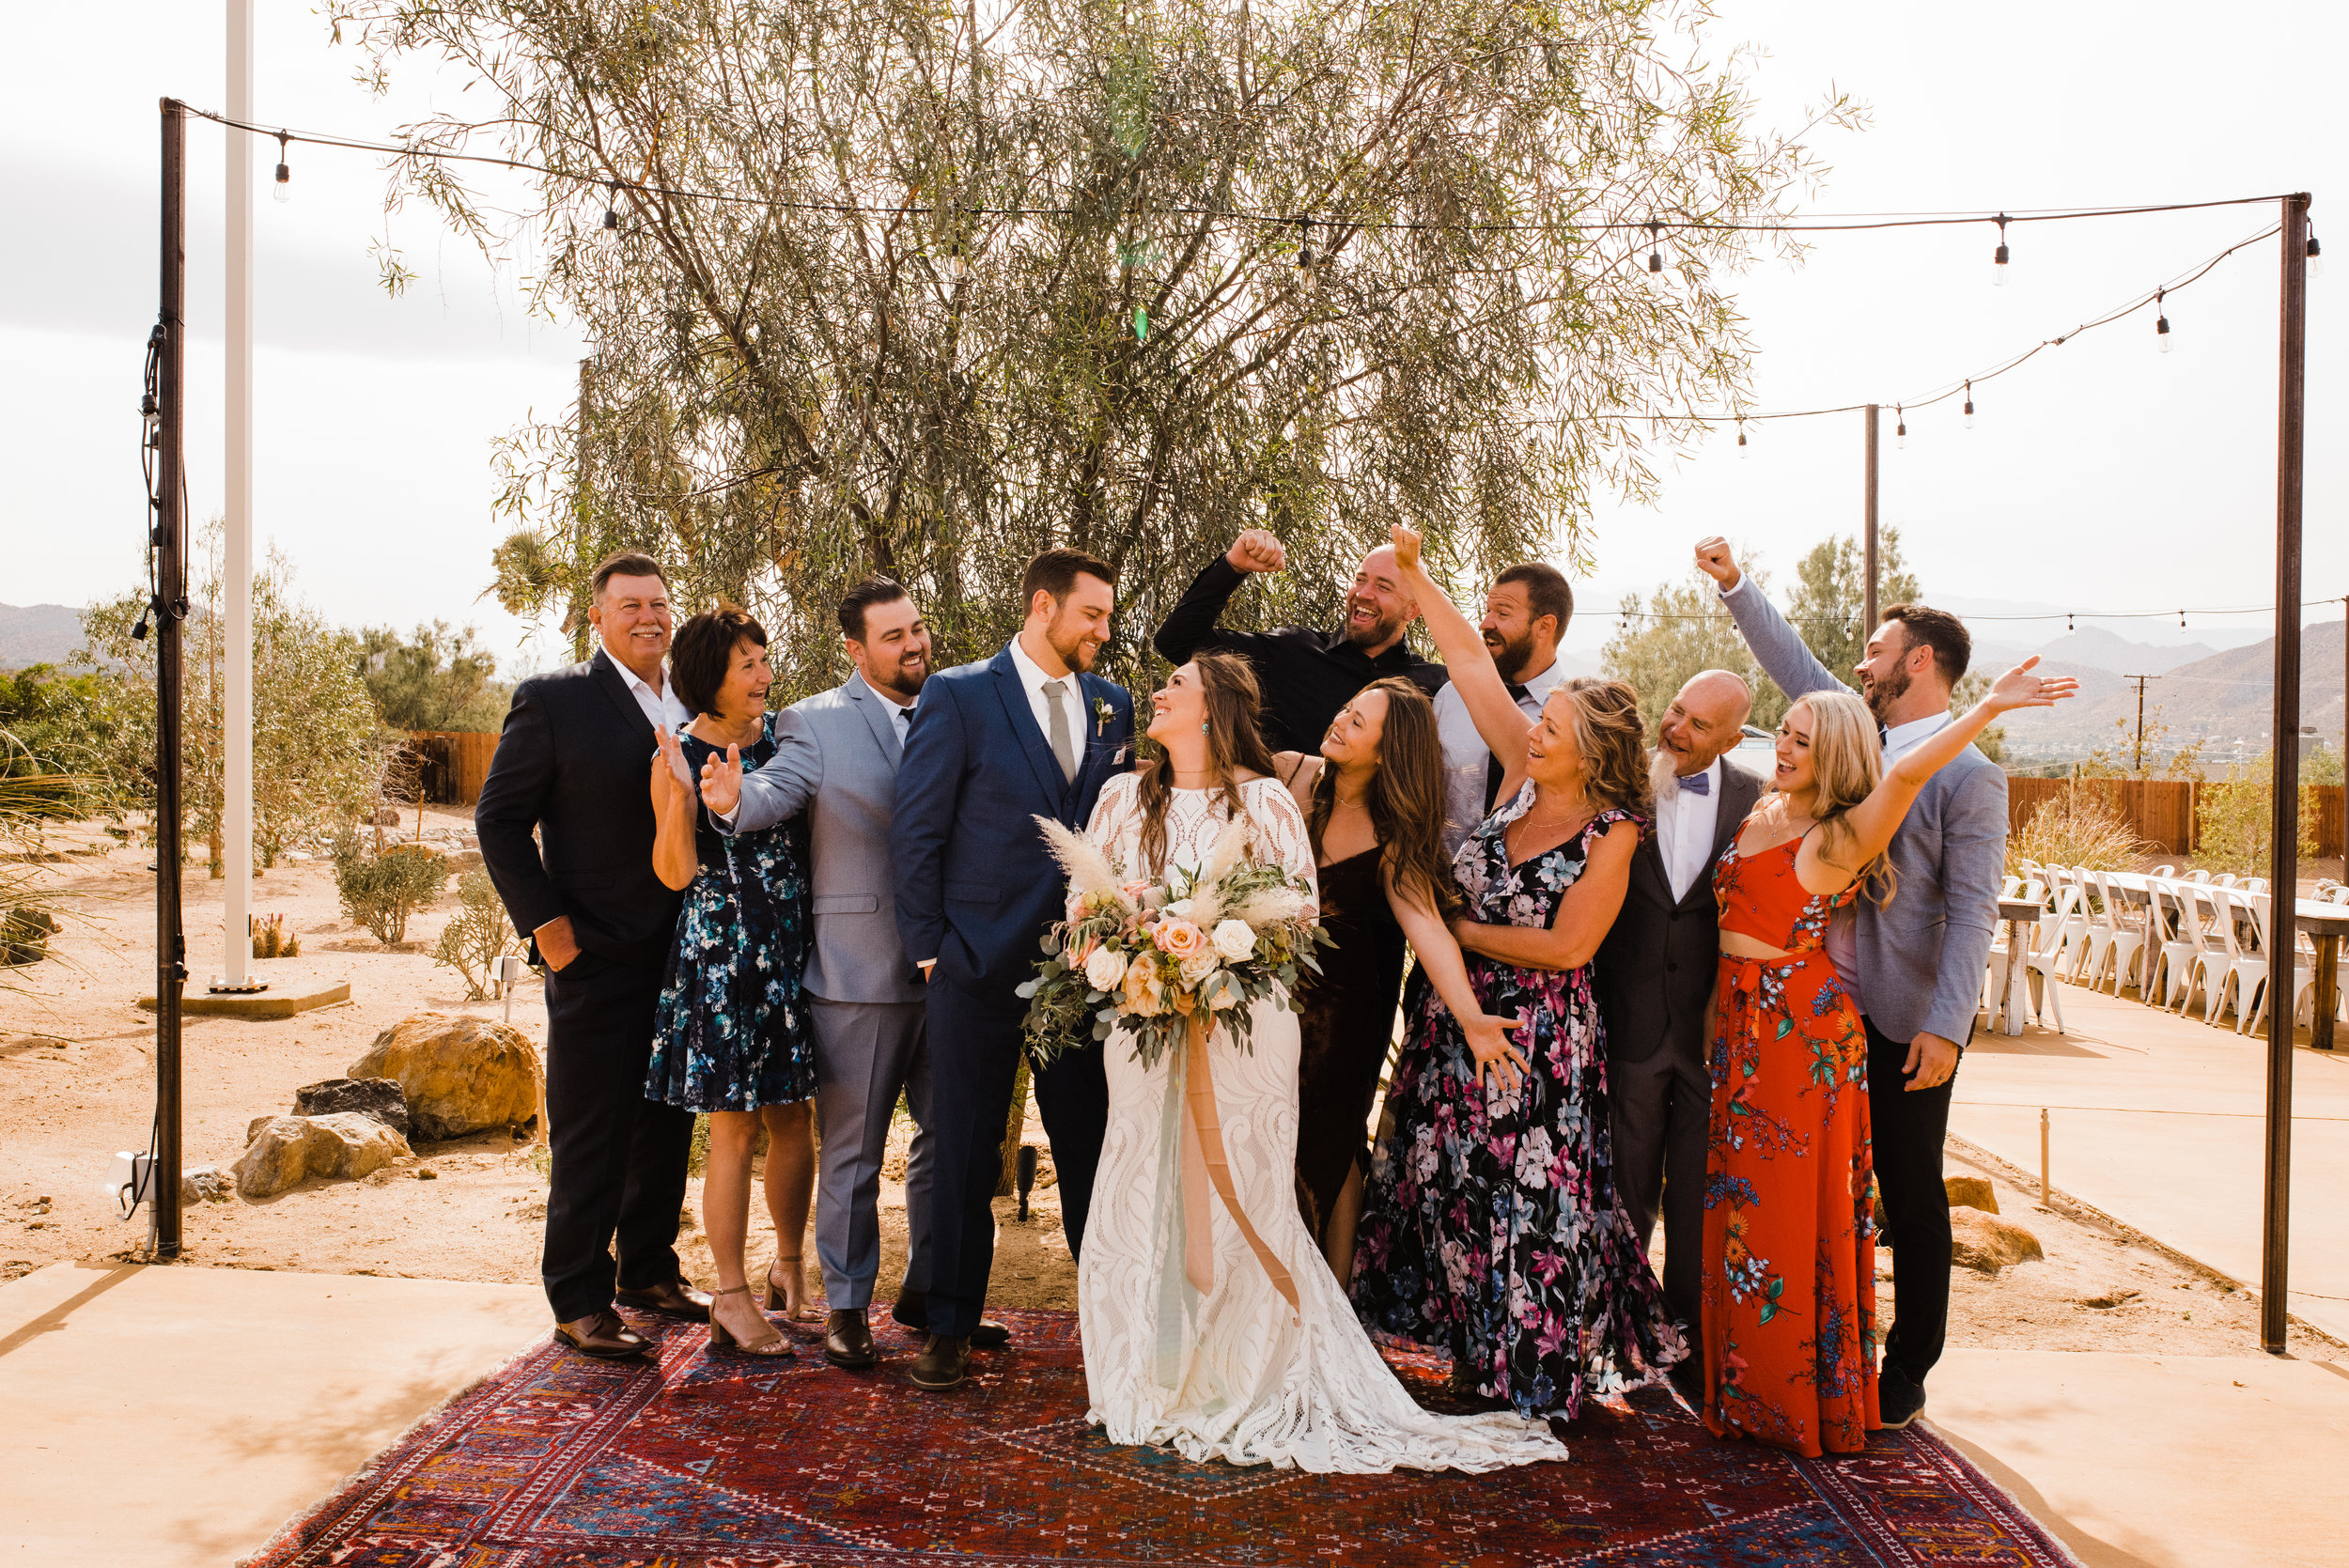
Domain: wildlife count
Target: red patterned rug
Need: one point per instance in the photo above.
(720, 1462)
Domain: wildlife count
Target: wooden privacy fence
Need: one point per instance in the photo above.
(455, 764)
(2164, 812)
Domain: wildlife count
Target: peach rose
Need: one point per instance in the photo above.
(1141, 996)
(1180, 938)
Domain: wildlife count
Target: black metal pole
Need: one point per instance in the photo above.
(169, 542)
(1868, 543)
(2284, 872)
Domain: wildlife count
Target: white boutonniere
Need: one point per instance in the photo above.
(1102, 714)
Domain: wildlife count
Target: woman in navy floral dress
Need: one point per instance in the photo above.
(732, 1035)
(1491, 1224)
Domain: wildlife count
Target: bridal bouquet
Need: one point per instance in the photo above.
(1149, 957)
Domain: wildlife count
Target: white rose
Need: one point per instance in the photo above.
(1234, 940)
(1105, 968)
(1180, 909)
(1198, 967)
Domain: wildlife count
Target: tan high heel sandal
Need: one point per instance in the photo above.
(777, 1301)
(721, 1338)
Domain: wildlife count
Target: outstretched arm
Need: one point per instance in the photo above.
(1190, 624)
(1500, 724)
(1777, 646)
(1874, 820)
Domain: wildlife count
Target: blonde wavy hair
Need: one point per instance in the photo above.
(1847, 765)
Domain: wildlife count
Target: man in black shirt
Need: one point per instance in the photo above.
(1307, 675)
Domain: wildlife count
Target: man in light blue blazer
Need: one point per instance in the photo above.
(836, 758)
(1024, 735)
(1914, 966)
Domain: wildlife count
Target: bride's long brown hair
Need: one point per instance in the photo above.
(1228, 685)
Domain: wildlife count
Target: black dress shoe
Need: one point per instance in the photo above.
(943, 1363)
(603, 1336)
(847, 1340)
(674, 1299)
(908, 1313)
(1899, 1399)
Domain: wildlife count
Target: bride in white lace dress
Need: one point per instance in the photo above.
(1234, 1374)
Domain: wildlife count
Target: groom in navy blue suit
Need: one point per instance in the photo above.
(994, 745)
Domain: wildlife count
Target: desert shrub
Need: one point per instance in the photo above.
(2232, 817)
(477, 936)
(380, 892)
(2075, 829)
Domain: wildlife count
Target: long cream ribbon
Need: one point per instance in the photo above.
(1205, 1166)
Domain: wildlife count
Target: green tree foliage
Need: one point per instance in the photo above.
(439, 679)
(78, 728)
(2232, 818)
(1130, 277)
(1830, 597)
(1684, 629)
(315, 749)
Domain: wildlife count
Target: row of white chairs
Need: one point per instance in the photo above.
(2199, 936)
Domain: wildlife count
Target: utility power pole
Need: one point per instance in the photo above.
(167, 546)
(2139, 768)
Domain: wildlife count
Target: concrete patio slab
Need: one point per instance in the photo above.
(176, 1416)
(2158, 1462)
(2160, 1122)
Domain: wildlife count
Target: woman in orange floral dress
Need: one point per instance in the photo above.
(1789, 1286)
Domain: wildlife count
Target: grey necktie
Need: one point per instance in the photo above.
(1064, 743)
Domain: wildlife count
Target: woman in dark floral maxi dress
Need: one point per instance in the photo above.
(1492, 1227)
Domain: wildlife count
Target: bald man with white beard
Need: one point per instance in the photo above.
(1655, 969)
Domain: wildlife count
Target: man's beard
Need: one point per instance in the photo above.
(1075, 652)
(1511, 658)
(1884, 690)
(907, 683)
(1378, 634)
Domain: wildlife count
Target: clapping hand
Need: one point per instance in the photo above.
(1257, 549)
(1715, 561)
(722, 781)
(2019, 688)
(1488, 1042)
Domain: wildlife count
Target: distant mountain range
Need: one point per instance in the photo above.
(37, 635)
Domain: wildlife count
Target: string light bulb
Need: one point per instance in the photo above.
(281, 192)
(1970, 405)
(611, 209)
(1900, 427)
(1656, 237)
(957, 267)
(1308, 265)
(1999, 257)
(2316, 257)
(2161, 320)
(1741, 438)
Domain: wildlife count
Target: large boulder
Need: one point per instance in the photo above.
(289, 1149)
(1987, 1243)
(458, 1075)
(378, 1098)
(1972, 1192)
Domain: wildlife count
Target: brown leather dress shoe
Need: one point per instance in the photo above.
(943, 1363)
(848, 1339)
(674, 1299)
(603, 1336)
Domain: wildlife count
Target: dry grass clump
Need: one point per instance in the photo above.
(2075, 829)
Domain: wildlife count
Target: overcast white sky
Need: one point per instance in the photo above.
(2103, 476)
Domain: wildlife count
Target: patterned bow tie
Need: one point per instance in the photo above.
(1697, 783)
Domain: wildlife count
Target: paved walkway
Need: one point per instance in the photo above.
(2160, 1122)
(171, 1417)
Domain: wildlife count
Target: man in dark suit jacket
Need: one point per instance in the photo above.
(1655, 969)
(572, 764)
(995, 745)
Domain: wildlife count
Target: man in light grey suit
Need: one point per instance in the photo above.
(1914, 966)
(836, 758)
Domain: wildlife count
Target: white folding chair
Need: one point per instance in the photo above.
(2114, 945)
(2212, 926)
(2170, 945)
(2253, 973)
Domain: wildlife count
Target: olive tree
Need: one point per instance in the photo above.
(884, 284)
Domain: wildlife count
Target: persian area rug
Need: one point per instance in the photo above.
(719, 1461)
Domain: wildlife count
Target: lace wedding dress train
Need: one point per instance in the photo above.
(1232, 1373)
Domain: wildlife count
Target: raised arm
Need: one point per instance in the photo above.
(675, 858)
(1190, 624)
(1586, 912)
(929, 797)
(1874, 820)
(1500, 724)
(1439, 956)
(1777, 646)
